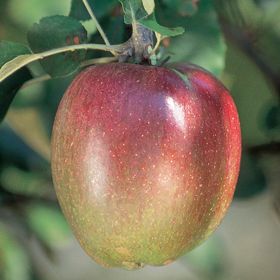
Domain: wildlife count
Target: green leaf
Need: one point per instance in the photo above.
(100, 8)
(9, 87)
(54, 32)
(17, 63)
(151, 23)
(14, 263)
(209, 259)
(133, 10)
(139, 11)
(20, 61)
(48, 224)
(9, 50)
(149, 6)
(18, 181)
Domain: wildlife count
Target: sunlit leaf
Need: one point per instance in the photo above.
(133, 10)
(149, 6)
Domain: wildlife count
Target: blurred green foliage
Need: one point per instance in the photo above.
(243, 51)
(13, 262)
(209, 259)
(202, 43)
(48, 224)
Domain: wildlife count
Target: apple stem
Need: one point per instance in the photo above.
(137, 47)
(142, 39)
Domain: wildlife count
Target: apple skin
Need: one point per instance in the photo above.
(145, 162)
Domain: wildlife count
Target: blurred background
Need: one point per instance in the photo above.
(237, 40)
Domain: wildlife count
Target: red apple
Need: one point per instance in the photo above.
(145, 160)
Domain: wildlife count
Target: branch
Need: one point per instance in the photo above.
(98, 26)
(22, 60)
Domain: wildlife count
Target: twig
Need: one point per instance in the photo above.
(23, 60)
(98, 26)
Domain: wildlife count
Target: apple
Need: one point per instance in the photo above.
(145, 160)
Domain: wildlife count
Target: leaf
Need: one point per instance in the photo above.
(209, 259)
(14, 263)
(100, 8)
(55, 32)
(9, 88)
(20, 61)
(151, 23)
(18, 181)
(9, 50)
(133, 10)
(48, 224)
(15, 64)
(149, 6)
